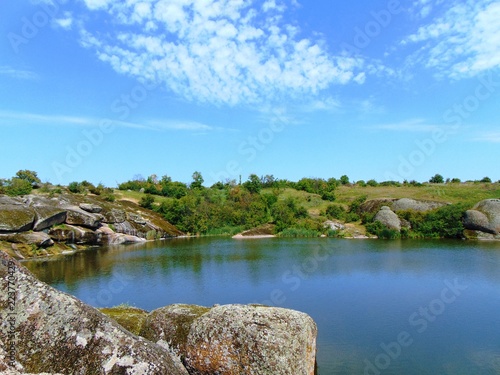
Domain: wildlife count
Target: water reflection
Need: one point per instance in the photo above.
(360, 293)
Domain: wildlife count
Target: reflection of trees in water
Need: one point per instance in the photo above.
(268, 259)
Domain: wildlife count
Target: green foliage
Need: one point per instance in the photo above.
(381, 231)
(344, 180)
(286, 213)
(76, 188)
(299, 233)
(361, 183)
(328, 196)
(444, 222)
(486, 180)
(197, 181)
(455, 181)
(335, 211)
(253, 184)
(437, 179)
(372, 183)
(18, 186)
(30, 176)
(147, 201)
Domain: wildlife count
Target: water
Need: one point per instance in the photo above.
(382, 307)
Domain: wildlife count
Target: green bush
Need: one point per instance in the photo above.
(147, 201)
(335, 211)
(18, 186)
(76, 188)
(381, 231)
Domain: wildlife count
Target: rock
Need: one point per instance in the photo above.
(406, 204)
(39, 239)
(56, 332)
(238, 340)
(477, 221)
(374, 205)
(388, 218)
(92, 208)
(114, 216)
(82, 218)
(75, 235)
(136, 218)
(16, 218)
(333, 225)
(123, 239)
(171, 324)
(6, 200)
(478, 235)
(490, 208)
(48, 216)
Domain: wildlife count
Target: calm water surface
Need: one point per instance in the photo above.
(382, 307)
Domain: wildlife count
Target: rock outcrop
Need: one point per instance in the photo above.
(405, 204)
(57, 333)
(388, 218)
(483, 221)
(74, 219)
(251, 340)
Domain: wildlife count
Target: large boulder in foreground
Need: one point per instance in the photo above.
(251, 340)
(172, 324)
(57, 333)
(388, 218)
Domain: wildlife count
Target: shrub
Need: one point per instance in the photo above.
(30, 176)
(75, 188)
(328, 196)
(18, 186)
(335, 211)
(372, 183)
(436, 179)
(147, 201)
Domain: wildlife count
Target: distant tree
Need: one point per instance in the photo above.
(335, 211)
(486, 180)
(197, 181)
(75, 187)
(344, 180)
(30, 176)
(268, 181)
(372, 183)
(361, 183)
(437, 179)
(253, 184)
(455, 181)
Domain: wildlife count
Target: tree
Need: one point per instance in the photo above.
(197, 181)
(486, 180)
(30, 176)
(253, 184)
(437, 179)
(344, 180)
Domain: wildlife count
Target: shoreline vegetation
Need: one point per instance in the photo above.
(264, 207)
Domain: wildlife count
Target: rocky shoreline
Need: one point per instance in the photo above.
(40, 225)
(47, 331)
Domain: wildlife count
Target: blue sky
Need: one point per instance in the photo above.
(103, 90)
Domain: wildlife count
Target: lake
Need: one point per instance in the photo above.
(382, 307)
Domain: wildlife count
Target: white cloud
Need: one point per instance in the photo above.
(217, 51)
(491, 137)
(66, 22)
(33, 119)
(17, 73)
(413, 125)
(463, 42)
